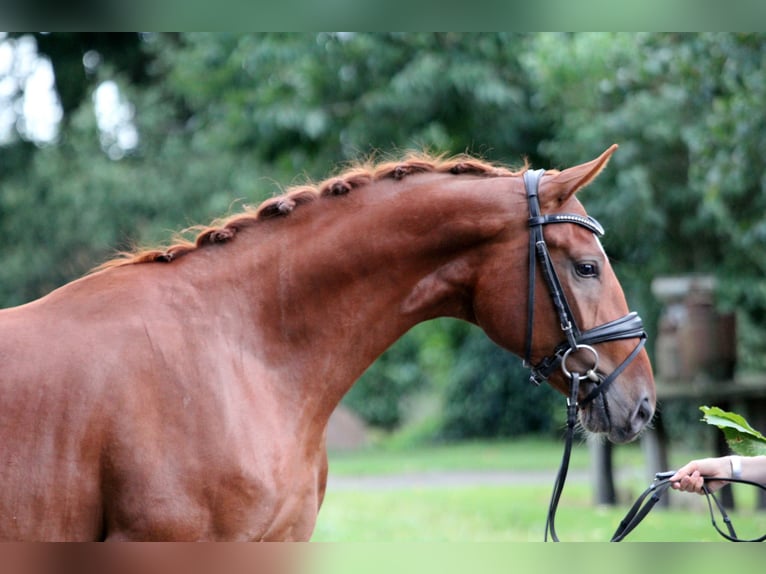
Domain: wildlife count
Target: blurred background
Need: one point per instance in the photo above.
(112, 140)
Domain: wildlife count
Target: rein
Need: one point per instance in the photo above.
(659, 486)
(629, 326)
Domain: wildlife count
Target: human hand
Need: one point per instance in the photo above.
(690, 477)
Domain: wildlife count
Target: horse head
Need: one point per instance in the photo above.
(576, 314)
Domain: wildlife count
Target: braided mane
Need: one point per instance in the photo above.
(358, 175)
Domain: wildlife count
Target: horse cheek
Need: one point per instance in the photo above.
(499, 311)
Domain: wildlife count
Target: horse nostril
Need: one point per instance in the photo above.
(644, 411)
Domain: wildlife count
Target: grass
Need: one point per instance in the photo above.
(510, 513)
(502, 514)
(521, 454)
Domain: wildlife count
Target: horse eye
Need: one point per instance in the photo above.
(586, 269)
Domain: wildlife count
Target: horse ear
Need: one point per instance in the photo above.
(565, 184)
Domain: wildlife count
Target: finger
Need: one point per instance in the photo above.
(692, 483)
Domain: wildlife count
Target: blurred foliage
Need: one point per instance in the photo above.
(489, 395)
(228, 118)
(742, 438)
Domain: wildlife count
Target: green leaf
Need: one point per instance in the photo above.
(740, 436)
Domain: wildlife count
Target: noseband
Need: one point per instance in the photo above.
(628, 327)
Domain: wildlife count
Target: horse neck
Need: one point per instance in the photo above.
(337, 281)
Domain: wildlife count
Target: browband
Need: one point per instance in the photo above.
(585, 221)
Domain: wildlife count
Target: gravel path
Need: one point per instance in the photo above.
(469, 478)
(447, 479)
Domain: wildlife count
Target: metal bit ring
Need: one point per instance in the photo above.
(590, 373)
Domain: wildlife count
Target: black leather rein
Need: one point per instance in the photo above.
(660, 485)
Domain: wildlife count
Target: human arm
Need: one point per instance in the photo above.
(689, 478)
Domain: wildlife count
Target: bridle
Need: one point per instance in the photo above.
(629, 326)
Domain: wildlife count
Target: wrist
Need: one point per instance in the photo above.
(736, 466)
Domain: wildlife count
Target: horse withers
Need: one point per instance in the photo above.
(183, 393)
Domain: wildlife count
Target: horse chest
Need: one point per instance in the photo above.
(280, 507)
(229, 497)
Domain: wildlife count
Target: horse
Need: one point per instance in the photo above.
(183, 392)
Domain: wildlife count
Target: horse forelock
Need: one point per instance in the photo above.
(355, 176)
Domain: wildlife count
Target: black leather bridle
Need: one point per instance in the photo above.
(628, 327)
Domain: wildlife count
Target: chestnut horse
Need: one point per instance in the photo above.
(183, 393)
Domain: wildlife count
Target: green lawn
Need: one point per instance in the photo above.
(513, 513)
(520, 454)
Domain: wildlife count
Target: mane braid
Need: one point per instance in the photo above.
(356, 176)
